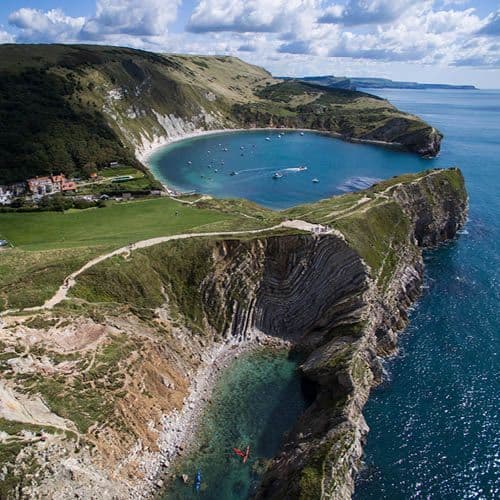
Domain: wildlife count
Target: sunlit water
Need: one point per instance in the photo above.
(435, 425)
(435, 422)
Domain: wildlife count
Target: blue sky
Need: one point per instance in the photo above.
(452, 41)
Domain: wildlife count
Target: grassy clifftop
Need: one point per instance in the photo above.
(70, 107)
(121, 351)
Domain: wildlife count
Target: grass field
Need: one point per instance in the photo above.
(47, 246)
(115, 225)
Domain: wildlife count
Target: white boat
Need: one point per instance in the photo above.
(277, 175)
(268, 138)
(302, 168)
(190, 162)
(302, 133)
(315, 181)
(234, 173)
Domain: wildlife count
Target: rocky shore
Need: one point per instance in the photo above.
(339, 297)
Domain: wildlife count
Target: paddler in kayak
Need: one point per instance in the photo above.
(197, 481)
(243, 454)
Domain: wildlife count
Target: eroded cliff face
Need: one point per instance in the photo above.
(159, 312)
(322, 454)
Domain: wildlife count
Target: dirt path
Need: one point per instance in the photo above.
(70, 281)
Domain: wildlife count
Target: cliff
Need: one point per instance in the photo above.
(97, 104)
(116, 362)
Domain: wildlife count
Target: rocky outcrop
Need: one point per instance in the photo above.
(170, 304)
(322, 453)
(423, 140)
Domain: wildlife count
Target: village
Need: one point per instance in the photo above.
(115, 181)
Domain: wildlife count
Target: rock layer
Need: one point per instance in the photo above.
(176, 301)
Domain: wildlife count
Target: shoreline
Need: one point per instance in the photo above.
(145, 156)
(178, 428)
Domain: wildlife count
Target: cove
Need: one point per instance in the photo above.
(254, 402)
(205, 163)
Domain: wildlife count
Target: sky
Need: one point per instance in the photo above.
(435, 41)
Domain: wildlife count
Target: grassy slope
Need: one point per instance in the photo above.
(96, 104)
(50, 245)
(112, 226)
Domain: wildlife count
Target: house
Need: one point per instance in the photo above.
(5, 195)
(68, 186)
(113, 163)
(42, 186)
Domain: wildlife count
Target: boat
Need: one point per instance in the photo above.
(302, 168)
(277, 175)
(190, 162)
(243, 454)
(315, 181)
(197, 481)
(234, 173)
(302, 133)
(268, 138)
(216, 170)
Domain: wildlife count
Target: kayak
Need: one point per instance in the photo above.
(197, 481)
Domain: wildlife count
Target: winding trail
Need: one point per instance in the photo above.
(70, 281)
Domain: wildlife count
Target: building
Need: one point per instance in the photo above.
(42, 186)
(68, 186)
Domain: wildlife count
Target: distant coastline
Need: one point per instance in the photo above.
(361, 83)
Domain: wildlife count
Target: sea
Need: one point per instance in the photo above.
(435, 420)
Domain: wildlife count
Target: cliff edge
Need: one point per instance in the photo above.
(96, 383)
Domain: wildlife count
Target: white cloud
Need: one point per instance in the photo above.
(6, 37)
(53, 25)
(492, 25)
(115, 21)
(242, 16)
(357, 12)
(131, 17)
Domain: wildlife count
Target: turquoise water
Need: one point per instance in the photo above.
(339, 166)
(435, 429)
(255, 401)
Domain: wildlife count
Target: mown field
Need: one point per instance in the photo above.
(115, 225)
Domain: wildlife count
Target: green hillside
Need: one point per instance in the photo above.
(72, 108)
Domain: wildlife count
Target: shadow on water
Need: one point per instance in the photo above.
(254, 403)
